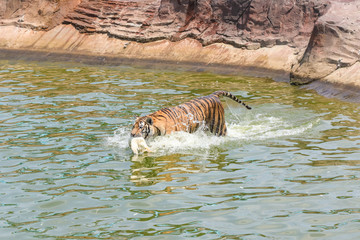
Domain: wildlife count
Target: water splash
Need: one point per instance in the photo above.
(120, 139)
(263, 124)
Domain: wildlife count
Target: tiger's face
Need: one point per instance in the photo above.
(143, 127)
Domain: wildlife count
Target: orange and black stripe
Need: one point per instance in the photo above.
(189, 116)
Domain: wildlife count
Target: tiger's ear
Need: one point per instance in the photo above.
(149, 120)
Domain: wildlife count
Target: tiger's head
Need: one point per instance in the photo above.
(143, 127)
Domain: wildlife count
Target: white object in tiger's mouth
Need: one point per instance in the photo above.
(138, 145)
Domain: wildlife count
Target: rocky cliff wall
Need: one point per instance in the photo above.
(311, 40)
(334, 46)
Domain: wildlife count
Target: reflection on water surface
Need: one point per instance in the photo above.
(288, 169)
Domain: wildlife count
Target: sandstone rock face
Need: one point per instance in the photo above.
(308, 39)
(241, 23)
(249, 24)
(334, 44)
(37, 14)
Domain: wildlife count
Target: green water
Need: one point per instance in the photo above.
(288, 169)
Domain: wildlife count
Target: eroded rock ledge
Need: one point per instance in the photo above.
(310, 40)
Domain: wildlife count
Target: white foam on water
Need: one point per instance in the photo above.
(264, 127)
(242, 129)
(183, 142)
(120, 139)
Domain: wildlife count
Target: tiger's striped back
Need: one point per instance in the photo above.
(207, 112)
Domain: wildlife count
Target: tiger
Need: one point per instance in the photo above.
(206, 112)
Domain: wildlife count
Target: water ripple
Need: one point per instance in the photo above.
(288, 169)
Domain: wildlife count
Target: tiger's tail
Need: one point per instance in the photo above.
(229, 95)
